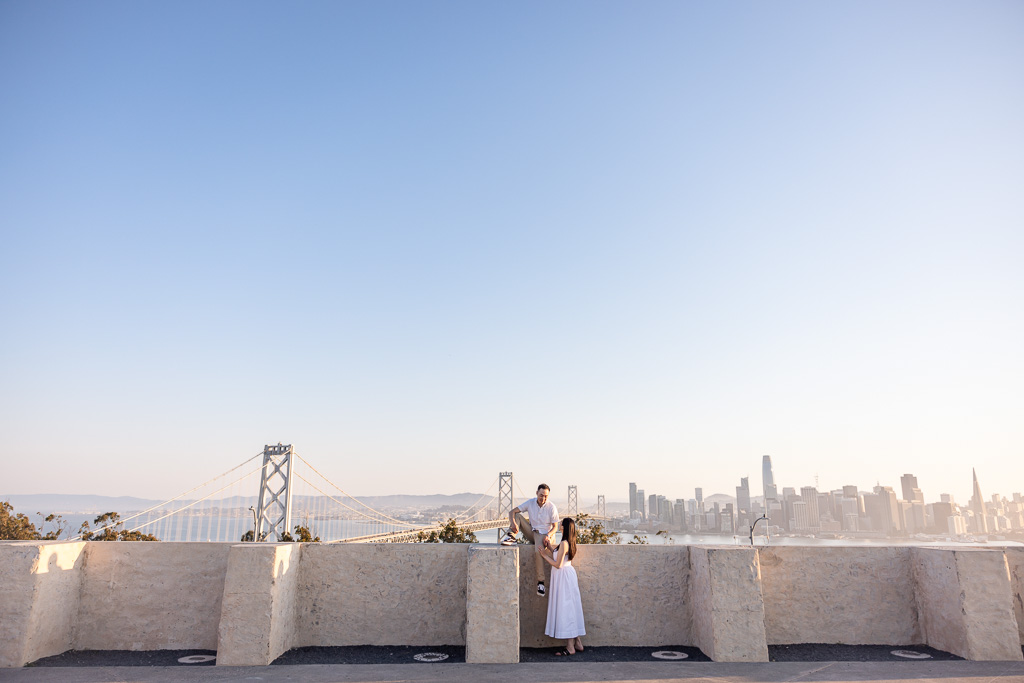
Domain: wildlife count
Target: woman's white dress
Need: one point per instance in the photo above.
(565, 611)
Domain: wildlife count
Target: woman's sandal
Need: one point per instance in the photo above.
(564, 652)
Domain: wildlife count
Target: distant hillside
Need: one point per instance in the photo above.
(421, 502)
(63, 503)
(720, 498)
(89, 504)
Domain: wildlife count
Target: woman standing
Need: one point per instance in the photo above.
(565, 610)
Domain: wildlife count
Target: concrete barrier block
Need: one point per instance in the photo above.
(727, 605)
(492, 605)
(258, 613)
(855, 596)
(383, 594)
(965, 603)
(139, 595)
(39, 598)
(1015, 561)
(633, 595)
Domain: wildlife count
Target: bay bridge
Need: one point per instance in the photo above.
(274, 494)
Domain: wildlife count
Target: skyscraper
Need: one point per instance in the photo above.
(910, 491)
(743, 495)
(768, 479)
(809, 495)
(698, 494)
(632, 498)
(801, 520)
(883, 509)
(978, 507)
(640, 503)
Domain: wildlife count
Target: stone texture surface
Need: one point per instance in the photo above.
(632, 596)
(937, 589)
(386, 594)
(1015, 562)
(492, 605)
(966, 603)
(144, 596)
(726, 604)
(257, 623)
(839, 594)
(40, 585)
(151, 596)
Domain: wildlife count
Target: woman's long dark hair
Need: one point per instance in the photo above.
(569, 535)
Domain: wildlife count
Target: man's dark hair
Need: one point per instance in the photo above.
(544, 486)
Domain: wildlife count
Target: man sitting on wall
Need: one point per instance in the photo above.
(538, 528)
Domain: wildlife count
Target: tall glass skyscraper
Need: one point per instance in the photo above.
(768, 480)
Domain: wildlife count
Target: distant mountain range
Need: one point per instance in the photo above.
(72, 503)
(88, 504)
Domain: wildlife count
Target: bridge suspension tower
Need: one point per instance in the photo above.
(504, 501)
(573, 507)
(601, 512)
(274, 514)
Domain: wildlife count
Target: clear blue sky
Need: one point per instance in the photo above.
(590, 242)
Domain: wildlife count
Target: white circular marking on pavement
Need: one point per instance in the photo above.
(669, 654)
(910, 654)
(430, 657)
(196, 659)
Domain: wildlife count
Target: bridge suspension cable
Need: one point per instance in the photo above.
(389, 520)
(171, 500)
(196, 502)
(465, 513)
(385, 520)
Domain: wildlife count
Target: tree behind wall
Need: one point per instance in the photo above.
(451, 532)
(15, 526)
(110, 529)
(591, 531)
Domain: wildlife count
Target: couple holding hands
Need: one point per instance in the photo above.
(538, 520)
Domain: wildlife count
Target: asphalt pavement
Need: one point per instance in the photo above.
(537, 672)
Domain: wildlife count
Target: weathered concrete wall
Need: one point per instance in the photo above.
(839, 595)
(727, 605)
(388, 594)
(254, 601)
(966, 603)
(632, 596)
(492, 605)
(258, 617)
(1015, 562)
(39, 596)
(139, 595)
(938, 599)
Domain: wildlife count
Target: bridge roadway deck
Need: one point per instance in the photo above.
(558, 671)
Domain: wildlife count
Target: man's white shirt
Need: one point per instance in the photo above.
(541, 516)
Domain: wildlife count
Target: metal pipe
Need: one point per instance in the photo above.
(752, 526)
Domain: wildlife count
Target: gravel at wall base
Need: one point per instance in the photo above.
(375, 654)
(125, 658)
(825, 652)
(613, 654)
(447, 654)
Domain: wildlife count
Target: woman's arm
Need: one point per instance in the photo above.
(545, 553)
(563, 550)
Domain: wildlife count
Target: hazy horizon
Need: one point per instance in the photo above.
(589, 243)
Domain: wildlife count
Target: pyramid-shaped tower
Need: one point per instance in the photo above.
(978, 507)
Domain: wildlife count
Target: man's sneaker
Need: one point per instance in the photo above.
(509, 539)
(541, 591)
